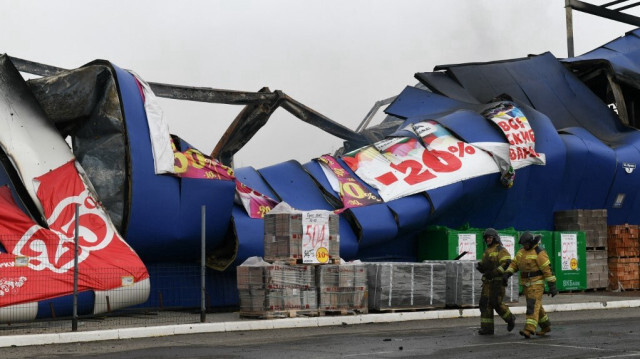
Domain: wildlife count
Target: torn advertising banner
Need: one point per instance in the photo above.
(352, 192)
(192, 163)
(521, 150)
(255, 203)
(105, 261)
(402, 166)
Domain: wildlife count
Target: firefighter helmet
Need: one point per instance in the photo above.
(490, 232)
(526, 239)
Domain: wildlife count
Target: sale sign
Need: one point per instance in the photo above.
(194, 164)
(315, 237)
(467, 243)
(255, 203)
(40, 261)
(402, 166)
(569, 251)
(352, 192)
(519, 134)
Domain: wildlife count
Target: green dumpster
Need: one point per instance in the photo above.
(443, 243)
(569, 260)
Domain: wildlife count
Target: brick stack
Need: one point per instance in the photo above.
(624, 257)
(593, 222)
(342, 287)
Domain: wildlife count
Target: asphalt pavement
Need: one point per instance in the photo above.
(232, 322)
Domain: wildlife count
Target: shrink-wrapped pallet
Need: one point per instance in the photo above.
(395, 285)
(342, 287)
(286, 230)
(266, 288)
(463, 283)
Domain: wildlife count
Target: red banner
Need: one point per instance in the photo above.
(40, 261)
(352, 192)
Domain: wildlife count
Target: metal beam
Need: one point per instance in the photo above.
(601, 11)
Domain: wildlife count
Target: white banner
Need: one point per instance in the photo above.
(402, 166)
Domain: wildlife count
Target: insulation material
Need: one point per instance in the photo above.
(265, 288)
(397, 285)
(342, 286)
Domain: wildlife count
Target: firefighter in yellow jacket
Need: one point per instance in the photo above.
(494, 261)
(534, 266)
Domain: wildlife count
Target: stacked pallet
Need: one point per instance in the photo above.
(624, 257)
(342, 288)
(301, 271)
(283, 236)
(276, 290)
(594, 224)
(404, 286)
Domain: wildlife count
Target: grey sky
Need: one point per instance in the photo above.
(337, 57)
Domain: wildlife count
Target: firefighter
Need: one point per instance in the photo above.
(534, 266)
(493, 264)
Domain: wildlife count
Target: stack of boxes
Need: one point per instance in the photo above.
(594, 225)
(624, 257)
(401, 286)
(300, 273)
(342, 287)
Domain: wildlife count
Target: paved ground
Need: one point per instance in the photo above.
(172, 323)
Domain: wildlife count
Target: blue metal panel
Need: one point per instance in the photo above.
(373, 224)
(625, 183)
(599, 166)
(178, 285)
(249, 233)
(154, 200)
(411, 212)
(403, 248)
(293, 185)
(63, 306)
(441, 83)
(413, 102)
(471, 127)
(250, 177)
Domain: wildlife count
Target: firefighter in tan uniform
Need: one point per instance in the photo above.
(493, 264)
(534, 266)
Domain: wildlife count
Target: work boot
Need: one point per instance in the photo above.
(511, 323)
(485, 331)
(543, 331)
(525, 333)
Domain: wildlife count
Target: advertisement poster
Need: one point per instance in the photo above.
(315, 237)
(352, 192)
(569, 251)
(402, 166)
(467, 243)
(509, 243)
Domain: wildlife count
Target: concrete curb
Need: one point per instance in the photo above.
(303, 322)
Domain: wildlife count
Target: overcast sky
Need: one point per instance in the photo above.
(338, 57)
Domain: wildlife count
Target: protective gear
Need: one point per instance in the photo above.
(553, 291)
(543, 331)
(512, 323)
(534, 266)
(526, 239)
(490, 232)
(495, 260)
(505, 278)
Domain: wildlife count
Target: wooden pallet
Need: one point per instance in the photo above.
(274, 314)
(342, 311)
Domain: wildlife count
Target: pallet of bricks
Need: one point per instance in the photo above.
(301, 274)
(624, 257)
(401, 286)
(594, 225)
